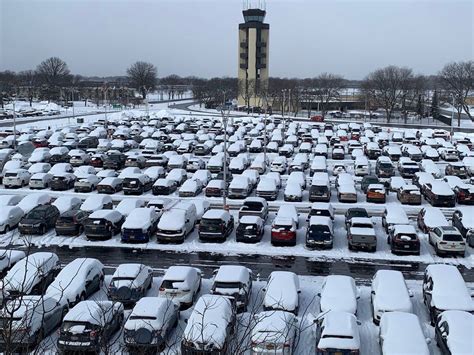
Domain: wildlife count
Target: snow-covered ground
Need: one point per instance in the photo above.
(309, 308)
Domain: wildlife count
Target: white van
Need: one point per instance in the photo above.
(361, 166)
(176, 223)
(389, 294)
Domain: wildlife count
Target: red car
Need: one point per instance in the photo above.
(40, 143)
(97, 160)
(283, 231)
(317, 118)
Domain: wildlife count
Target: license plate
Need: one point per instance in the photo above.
(406, 246)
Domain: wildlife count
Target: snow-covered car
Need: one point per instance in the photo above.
(347, 193)
(32, 200)
(190, 188)
(376, 193)
(125, 207)
(275, 330)
(79, 157)
(61, 168)
(429, 218)
(234, 281)
(389, 293)
(16, 178)
(39, 168)
(97, 202)
(240, 187)
(444, 289)
(39, 181)
(136, 184)
(453, 332)
(78, 280)
(164, 186)
(59, 155)
(40, 155)
(439, 193)
(8, 258)
(103, 224)
(215, 188)
(62, 181)
(30, 319)
(456, 169)
(150, 324)
(30, 275)
(87, 183)
(339, 293)
(293, 192)
(394, 215)
(88, 325)
(109, 185)
(337, 332)
(401, 333)
(210, 326)
(129, 283)
(409, 195)
(178, 175)
(430, 167)
(282, 292)
(139, 225)
(155, 172)
(10, 217)
(361, 234)
(10, 200)
(449, 154)
(67, 203)
(181, 284)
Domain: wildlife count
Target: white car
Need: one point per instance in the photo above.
(389, 293)
(86, 183)
(10, 216)
(67, 203)
(40, 155)
(125, 207)
(447, 240)
(32, 200)
(130, 282)
(401, 333)
(78, 280)
(181, 284)
(96, 202)
(40, 181)
(16, 178)
(275, 330)
(154, 316)
(61, 168)
(337, 333)
(39, 168)
(339, 293)
(8, 258)
(282, 292)
(10, 200)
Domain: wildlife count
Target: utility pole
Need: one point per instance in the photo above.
(224, 123)
(452, 119)
(265, 135)
(14, 124)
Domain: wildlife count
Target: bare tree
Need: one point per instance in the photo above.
(247, 91)
(328, 88)
(458, 80)
(143, 77)
(387, 87)
(54, 72)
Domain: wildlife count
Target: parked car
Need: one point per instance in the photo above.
(140, 225)
(62, 181)
(78, 280)
(67, 203)
(30, 201)
(282, 292)
(429, 218)
(10, 217)
(283, 231)
(234, 281)
(274, 331)
(438, 193)
(16, 178)
(209, 329)
(130, 282)
(8, 258)
(403, 239)
(409, 195)
(254, 206)
(389, 293)
(444, 289)
(30, 276)
(376, 193)
(447, 240)
(181, 284)
(176, 223)
(97, 202)
(463, 220)
(401, 325)
(320, 232)
(393, 215)
(338, 293)
(150, 324)
(361, 234)
(250, 229)
(216, 225)
(88, 325)
(39, 220)
(452, 332)
(337, 332)
(71, 223)
(103, 224)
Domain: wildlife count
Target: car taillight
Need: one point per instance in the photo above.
(93, 334)
(162, 288)
(286, 345)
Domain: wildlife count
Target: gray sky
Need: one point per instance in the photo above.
(199, 37)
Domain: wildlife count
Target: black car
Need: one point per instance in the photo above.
(367, 180)
(355, 212)
(39, 220)
(114, 161)
(62, 182)
(216, 225)
(88, 142)
(250, 229)
(71, 223)
(462, 220)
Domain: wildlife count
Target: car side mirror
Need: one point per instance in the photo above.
(373, 292)
(410, 293)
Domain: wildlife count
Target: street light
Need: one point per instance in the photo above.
(452, 119)
(225, 117)
(14, 122)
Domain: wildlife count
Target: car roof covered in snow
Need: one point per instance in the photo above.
(434, 217)
(180, 273)
(139, 218)
(250, 220)
(391, 293)
(402, 334)
(128, 205)
(461, 329)
(91, 311)
(340, 331)
(450, 292)
(320, 220)
(160, 307)
(129, 270)
(339, 293)
(272, 327)
(232, 273)
(215, 214)
(404, 229)
(94, 201)
(282, 291)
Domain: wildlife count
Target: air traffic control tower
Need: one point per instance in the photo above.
(253, 57)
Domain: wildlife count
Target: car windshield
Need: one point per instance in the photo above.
(10, 174)
(59, 178)
(123, 278)
(169, 284)
(247, 228)
(96, 221)
(36, 215)
(452, 238)
(338, 336)
(114, 157)
(282, 227)
(358, 213)
(66, 219)
(211, 222)
(362, 225)
(319, 232)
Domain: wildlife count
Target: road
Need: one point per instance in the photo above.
(361, 270)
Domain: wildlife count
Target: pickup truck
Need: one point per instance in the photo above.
(254, 206)
(361, 234)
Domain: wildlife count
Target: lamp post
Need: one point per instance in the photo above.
(225, 118)
(265, 134)
(14, 122)
(452, 119)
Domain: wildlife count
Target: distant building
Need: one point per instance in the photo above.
(253, 58)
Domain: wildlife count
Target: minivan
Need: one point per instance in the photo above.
(320, 189)
(176, 223)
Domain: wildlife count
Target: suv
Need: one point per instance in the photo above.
(447, 240)
(403, 239)
(409, 195)
(235, 281)
(250, 229)
(39, 220)
(71, 223)
(216, 225)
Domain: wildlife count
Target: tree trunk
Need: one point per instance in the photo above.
(389, 114)
(143, 93)
(459, 118)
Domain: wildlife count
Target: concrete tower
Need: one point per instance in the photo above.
(253, 57)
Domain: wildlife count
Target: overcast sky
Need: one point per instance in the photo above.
(199, 37)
